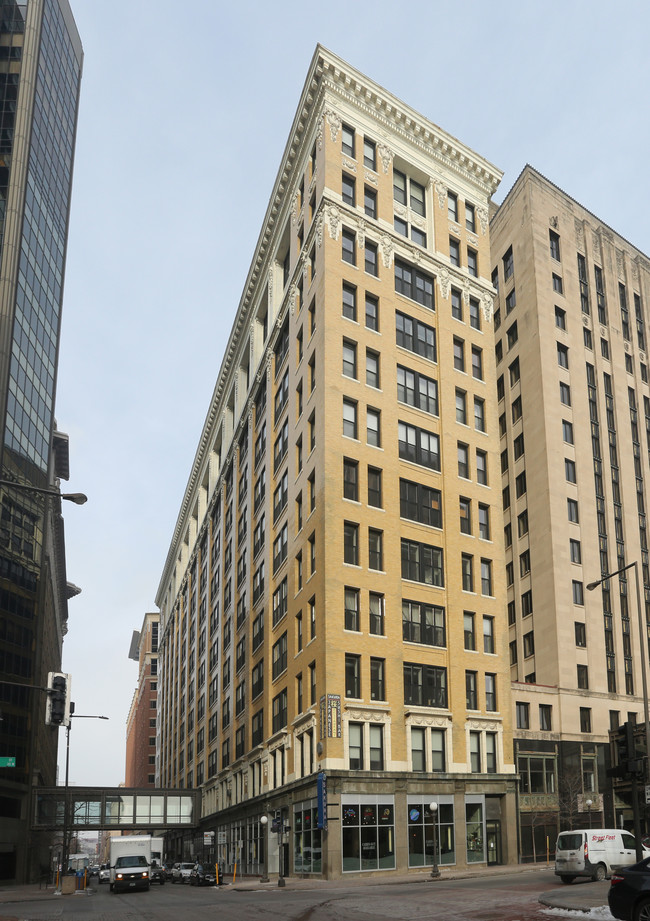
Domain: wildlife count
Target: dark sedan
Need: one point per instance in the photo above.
(203, 875)
(629, 892)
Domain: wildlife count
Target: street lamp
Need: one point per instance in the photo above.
(66, 807)
(433, 809)
(78, 498)
(643, 639)
(589, 804)
(264, 839)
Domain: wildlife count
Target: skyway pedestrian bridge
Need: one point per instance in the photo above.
(124, 808)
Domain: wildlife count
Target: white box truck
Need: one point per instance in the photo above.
(134, 860)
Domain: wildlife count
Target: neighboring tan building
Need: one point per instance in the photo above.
(574, 417)
(333, 600)
(40, 74)
(141, 723)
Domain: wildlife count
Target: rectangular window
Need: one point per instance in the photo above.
(420, 503)
(349, 419)
(472, 262)
(471, 694)
(490, 692)
(418, 446)
(423, 623)
(488, 635)
(372, 312)
(371, 261)
(456, 304)
(347, 140)
(545, 717)
(348, 193)
(349, 358)
(417, 390)
(352, 609)
(352, 675)
(374, 487)
(355, 746)
(422, 563)
(522, 715)
(369, 154)
(425, 685)
(350, 479)
(469, 630)
(467, 570)
(376, 611)
(415, 336)
(470, 217)
(373, 427)
(348, 247)
(351, 543)
(414, 283)
(349, 301)
(370, 202)
(372, 368)
(375, 549)
(554, 241)
(377, 680)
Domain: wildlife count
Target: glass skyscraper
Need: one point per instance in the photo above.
(40, 73)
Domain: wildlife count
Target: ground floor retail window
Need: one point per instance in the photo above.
(421, 830)
(368, 830)
(474, 830)
(307, 846)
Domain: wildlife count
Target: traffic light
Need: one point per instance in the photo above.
(57, 711)
(276, 822)
(626, 756)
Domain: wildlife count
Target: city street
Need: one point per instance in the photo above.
(506, 897)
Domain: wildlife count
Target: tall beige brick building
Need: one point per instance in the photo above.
(574, 419)
(333, 600)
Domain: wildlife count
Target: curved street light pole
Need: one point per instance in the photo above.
(643, 649)
(79, 498)
(643, 641)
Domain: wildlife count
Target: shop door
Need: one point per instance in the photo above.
(493, 841)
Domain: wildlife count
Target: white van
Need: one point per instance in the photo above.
(594, 852)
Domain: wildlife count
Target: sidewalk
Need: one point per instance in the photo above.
(580, 896)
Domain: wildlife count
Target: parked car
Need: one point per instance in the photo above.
(203, 875)
(104, 873)
(594, 852)
(629, 893)
(157, 874)
(181, 872)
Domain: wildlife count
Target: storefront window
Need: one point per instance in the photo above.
(421, 832)
(307, 850)
(368, 834)
(474, 830)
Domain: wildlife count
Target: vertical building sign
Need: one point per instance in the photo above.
(330, 716)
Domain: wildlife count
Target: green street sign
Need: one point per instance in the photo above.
(7, 762)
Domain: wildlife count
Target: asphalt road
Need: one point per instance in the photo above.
(507, 897)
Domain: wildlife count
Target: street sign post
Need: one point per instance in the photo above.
(7, 762)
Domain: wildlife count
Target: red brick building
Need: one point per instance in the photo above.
(140, 770)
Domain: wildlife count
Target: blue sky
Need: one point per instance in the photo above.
(185, 111)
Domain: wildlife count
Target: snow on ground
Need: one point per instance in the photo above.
(602, 913)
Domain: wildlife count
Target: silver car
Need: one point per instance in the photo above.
(181, 872)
